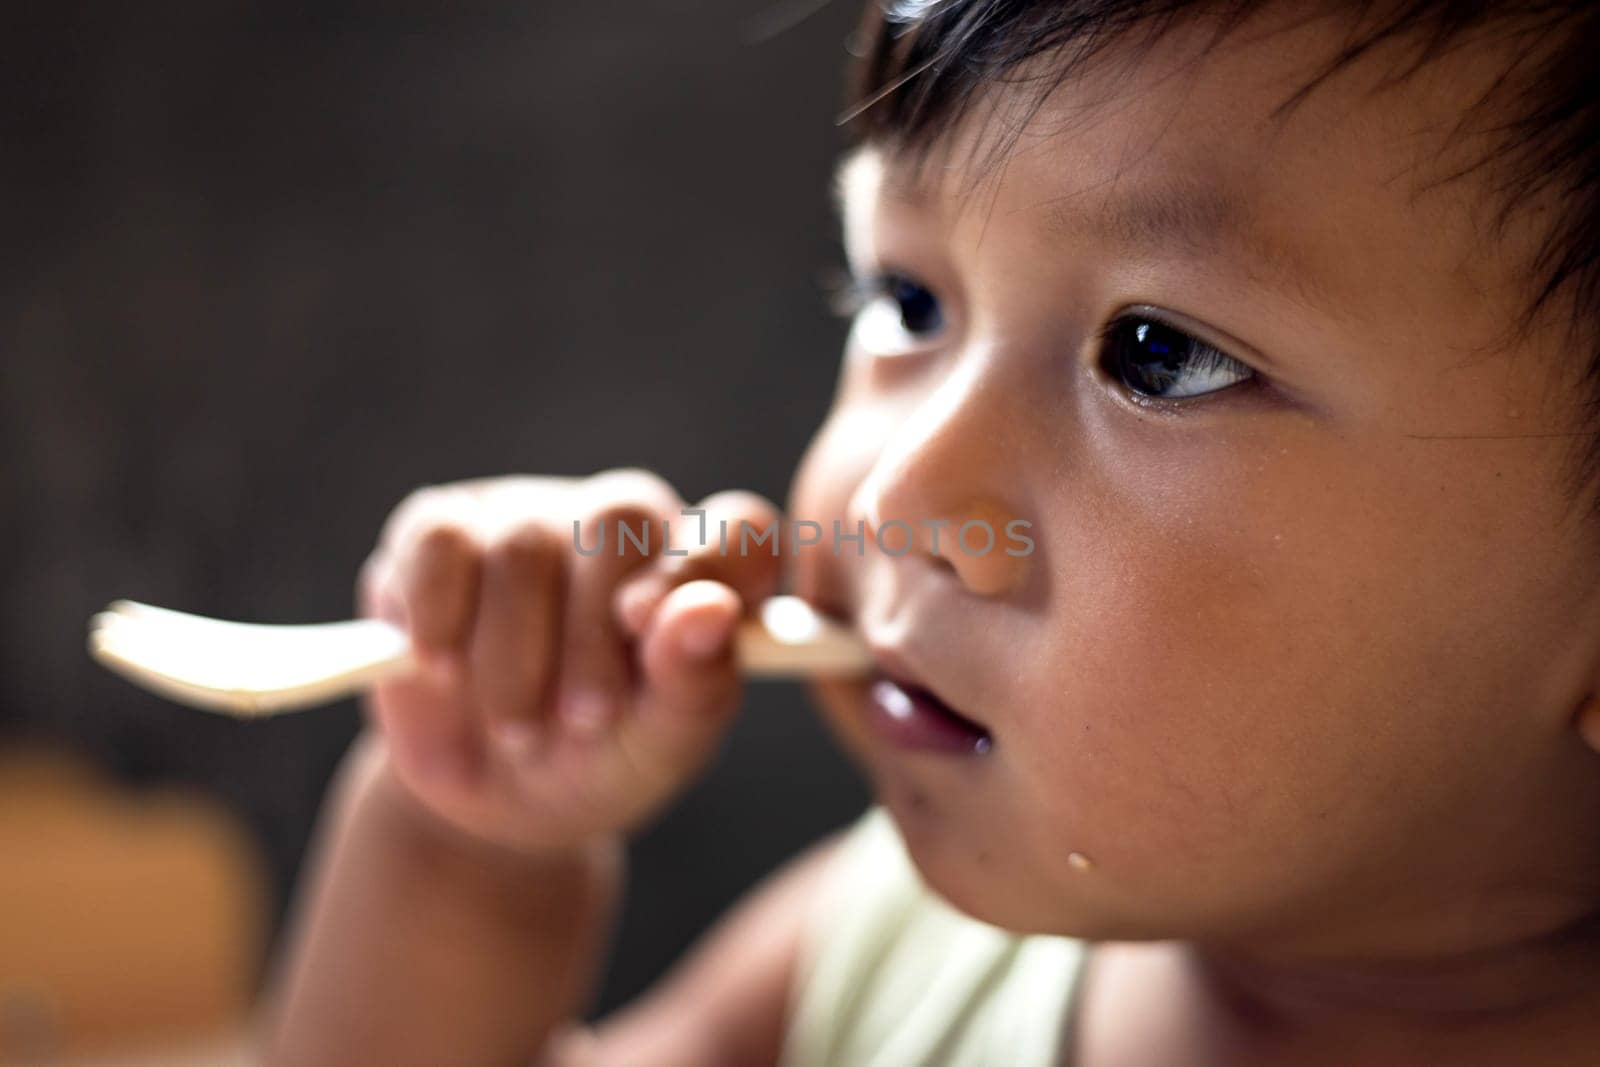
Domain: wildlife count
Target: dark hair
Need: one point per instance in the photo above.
(922, 64)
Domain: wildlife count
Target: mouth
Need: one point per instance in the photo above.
(908, 714)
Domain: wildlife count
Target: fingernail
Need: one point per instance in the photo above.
(518, 739)
(586, 711)
(704, 635)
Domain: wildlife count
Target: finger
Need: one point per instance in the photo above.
(424, 715)
(689, 682)
(737, 546)
(420, 504)
(596, 672)
(428, 720)
(514, 636)
(376, 596)
(438, 572)
(635, 485)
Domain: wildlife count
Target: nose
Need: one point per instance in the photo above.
(942, 491)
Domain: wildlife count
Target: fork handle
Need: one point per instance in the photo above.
(786, 639)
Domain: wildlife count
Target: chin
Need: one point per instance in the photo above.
(985, 896)
(966, 875)
(986, 887)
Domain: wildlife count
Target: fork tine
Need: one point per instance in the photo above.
(149, 613)
(109, 654)
(143, 643)
(105, 620)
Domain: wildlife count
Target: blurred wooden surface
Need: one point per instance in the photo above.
(131, 921)
(270, 268)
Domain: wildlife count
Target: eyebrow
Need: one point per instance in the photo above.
(1205, 221)
(1203, 218)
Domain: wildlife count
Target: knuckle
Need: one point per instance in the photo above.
(419, 501)
(424, 495)
(643, 487)
(633, 512)
(413, 509)
(370, 571)
(369, 582)
(525, 549)
(702, 560)
(734, 504)
(443, 536)
(746, 516)
(623, 529)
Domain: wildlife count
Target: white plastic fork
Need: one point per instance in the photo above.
(251, 670)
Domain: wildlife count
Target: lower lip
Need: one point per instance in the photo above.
(911, 718)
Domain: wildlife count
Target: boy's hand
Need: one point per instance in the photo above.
(563, 696)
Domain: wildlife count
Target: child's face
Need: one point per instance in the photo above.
(1293, 660)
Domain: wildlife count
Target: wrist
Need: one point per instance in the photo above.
(380, 796)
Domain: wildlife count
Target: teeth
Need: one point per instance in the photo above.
(898, 699)
(894, 699)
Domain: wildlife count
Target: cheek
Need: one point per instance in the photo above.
(835, 463)
(1216, 716)
(1163, 735)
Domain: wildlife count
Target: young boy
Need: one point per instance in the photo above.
(1276, 324)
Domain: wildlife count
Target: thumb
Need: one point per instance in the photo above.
(689, 681)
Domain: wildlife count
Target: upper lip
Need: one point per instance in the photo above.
(898, 667)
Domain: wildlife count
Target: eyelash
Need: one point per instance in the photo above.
(1208, 357)
(851, 294)
(892, 314)
(848, 294)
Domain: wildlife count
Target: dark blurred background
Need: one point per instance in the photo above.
(266, 272)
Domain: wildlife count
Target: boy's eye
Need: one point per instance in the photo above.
(893, 312)
(1158, 361)
(916, 307)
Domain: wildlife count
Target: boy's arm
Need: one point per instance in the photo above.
(419, 945)
(474, 861)
(724, 1003)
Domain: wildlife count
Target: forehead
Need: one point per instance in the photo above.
(1334, 200)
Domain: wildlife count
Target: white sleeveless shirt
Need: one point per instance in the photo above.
(890, 975)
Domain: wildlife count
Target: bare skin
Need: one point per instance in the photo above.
(473, 859)
(1299, 664)
(1298, 659)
